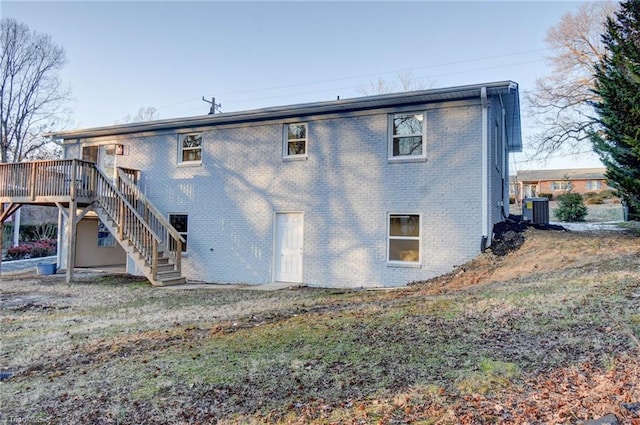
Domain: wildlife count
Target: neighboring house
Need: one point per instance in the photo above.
(531, 183)
(366, 192)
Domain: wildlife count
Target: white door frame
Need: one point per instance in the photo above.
(276, 254)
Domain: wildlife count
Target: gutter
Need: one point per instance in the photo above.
(485, 169)
(289, 111)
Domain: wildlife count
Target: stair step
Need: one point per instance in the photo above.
(165, 272)
(165, 267)
(168, 275)
(169, 282)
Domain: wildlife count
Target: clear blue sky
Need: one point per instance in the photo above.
(125, 55)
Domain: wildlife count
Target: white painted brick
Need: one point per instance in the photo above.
(346, 188)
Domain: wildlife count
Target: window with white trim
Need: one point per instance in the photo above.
(181, 223)
(295, 140)
(407, 133)
(404, 238)
(594, 185)
(561, 185)
(190, 148)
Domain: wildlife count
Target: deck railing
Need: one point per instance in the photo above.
(49, 179)
(136, 220)
(169, 238)
(131, 225)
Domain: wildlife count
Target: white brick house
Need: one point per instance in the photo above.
(366, 192)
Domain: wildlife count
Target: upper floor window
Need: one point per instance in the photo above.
(407, 135)
(593, 185)
(190, 148)
(561, 185)
(295, 140)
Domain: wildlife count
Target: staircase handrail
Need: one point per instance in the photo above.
(124, 178)
(149, 256)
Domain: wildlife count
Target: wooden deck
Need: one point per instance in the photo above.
(51, 182)
(77, 187)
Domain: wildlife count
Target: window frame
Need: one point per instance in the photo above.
(390, 138)
(418, 238)
(185, 235)
(182, 149)
(556, 185)
(594, 182)
(286, 140)
(108, 241)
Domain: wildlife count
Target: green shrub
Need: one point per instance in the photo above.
(549, 196)
(589, 195)
(29, 233)
(570, 207)
(7, 235)
(38, 232)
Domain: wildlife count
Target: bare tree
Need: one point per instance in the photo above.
(31, 94)
(145, 113)
(404, 81)
(560, 104)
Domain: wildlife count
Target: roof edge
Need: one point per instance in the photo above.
(323, 107)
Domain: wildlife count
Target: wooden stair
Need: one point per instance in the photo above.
(149, 239)
(140, 229)
(166, 273)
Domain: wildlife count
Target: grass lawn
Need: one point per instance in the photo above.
(546, 334)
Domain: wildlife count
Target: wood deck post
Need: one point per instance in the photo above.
(32, 181)
(5, 213)
(154, 260)
(179, 255)
(74, 176)
(1, 234)
(71, 240)
(121, 220)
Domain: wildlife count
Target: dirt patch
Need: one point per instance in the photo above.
(508, 235)
(25, 302)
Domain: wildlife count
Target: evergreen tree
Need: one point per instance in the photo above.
(618, 87)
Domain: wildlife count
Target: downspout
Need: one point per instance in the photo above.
(485, 169)
(505, 162)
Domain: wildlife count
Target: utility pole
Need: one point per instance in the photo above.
(214, 106)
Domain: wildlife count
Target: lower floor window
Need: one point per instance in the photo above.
(181, 223)
(404, 238)
(105, 238)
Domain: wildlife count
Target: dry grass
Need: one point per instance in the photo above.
(476, 346)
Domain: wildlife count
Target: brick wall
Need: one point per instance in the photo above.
(578, 186)
(346, 189)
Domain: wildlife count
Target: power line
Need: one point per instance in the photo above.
(389, 72)
(334, 89)
(309, 83)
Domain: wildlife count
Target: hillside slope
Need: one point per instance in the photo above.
(545, 334)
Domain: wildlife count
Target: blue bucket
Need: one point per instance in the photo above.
(47, 268)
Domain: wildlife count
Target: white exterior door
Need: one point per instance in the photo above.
(289, 235)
